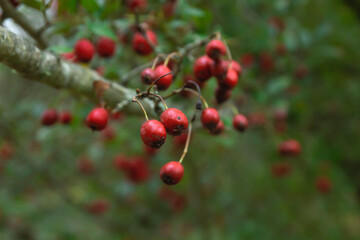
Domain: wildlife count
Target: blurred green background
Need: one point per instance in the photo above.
(305, 66)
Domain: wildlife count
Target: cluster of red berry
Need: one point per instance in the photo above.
(51, 116)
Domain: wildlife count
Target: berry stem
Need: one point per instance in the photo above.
(228, 52)
(201, 97)
(170, 56)
(161, 98)
(154, 82)
(187, 143)
(135, 100)
(154, 63)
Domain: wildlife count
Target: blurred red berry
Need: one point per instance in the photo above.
(84, 50)
(323, 184)
(49, 117)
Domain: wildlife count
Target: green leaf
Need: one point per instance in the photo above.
(90, 5)
(33, 4)
(279, 84)
(101, 29)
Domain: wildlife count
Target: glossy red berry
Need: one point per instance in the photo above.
(218, 129)
(153, 133)
(222, 95)
(148, 76)
(215, 49)
(140, 44)
(219, 69)
(171, 173)
(210, 118)
(49, 117)
(230, 81)
(237, 67)
(84, 50)
(290, 148)
(240, 122)
(97, 119)
(202, 68)
(137, 5)
(65, 117)
(105, 47)
(174, 121)
(323, 184)
(164, 82)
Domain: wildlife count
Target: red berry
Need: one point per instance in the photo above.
(323, 184)
(164, 82)
(218, 129)
(215, 48)
(290, 148)
(84, 50)
(137, 5)
(230, 81)
(240, 122)
(85, 165)
(210, 118)
(105, 47)
(202, 68)
(121, 163)
(138, 170)
(140, 45)
(171, 173)
(49, 117)
(98, 207)
(65, 117)
(148, 76)
(153, 133)
(174, 121)
(6, 151)
(277, 23)
(247, 60)
(257, 119)
(97, 119)
(237, 67)
(118, 116)
(281, 169)
(222, 95)
(169, 8)
(267, 64)
(219, 69)
(69, 56)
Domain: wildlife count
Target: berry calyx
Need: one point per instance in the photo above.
(164, 82)
(105, 47)
(202, 68)
(218, 129)
(215, 49)
(219, 69)
(97, 119)
(290, 148)
(240, 122)
(153, 133)
(171, 173)
(210, 118)
(65, 117)
(49, 117)
(230, 81)
(84, 50)
(174, 121)
(140, 44)
(148, 76)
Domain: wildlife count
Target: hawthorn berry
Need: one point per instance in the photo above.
(137, 5)
(215, 49)
(237, 67)
(153, 133)
(289, 148)
(121, 163)
(148, 76)
(323, 184)
(202, 68)
(164, 82)
(138, 170)
(219, 69)
(98, 207)
(240, 122)
(210, 118)
(84, 50)
(140, 44)
(218, 129)
(222, 94)
(105, 47)
(171, 173)
(65, 117)
(174, 121)
(97, 119)
(281, 169)
(230, 81)
(49, 117)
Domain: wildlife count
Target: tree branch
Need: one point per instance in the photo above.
(22, 21)
(33, 64)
